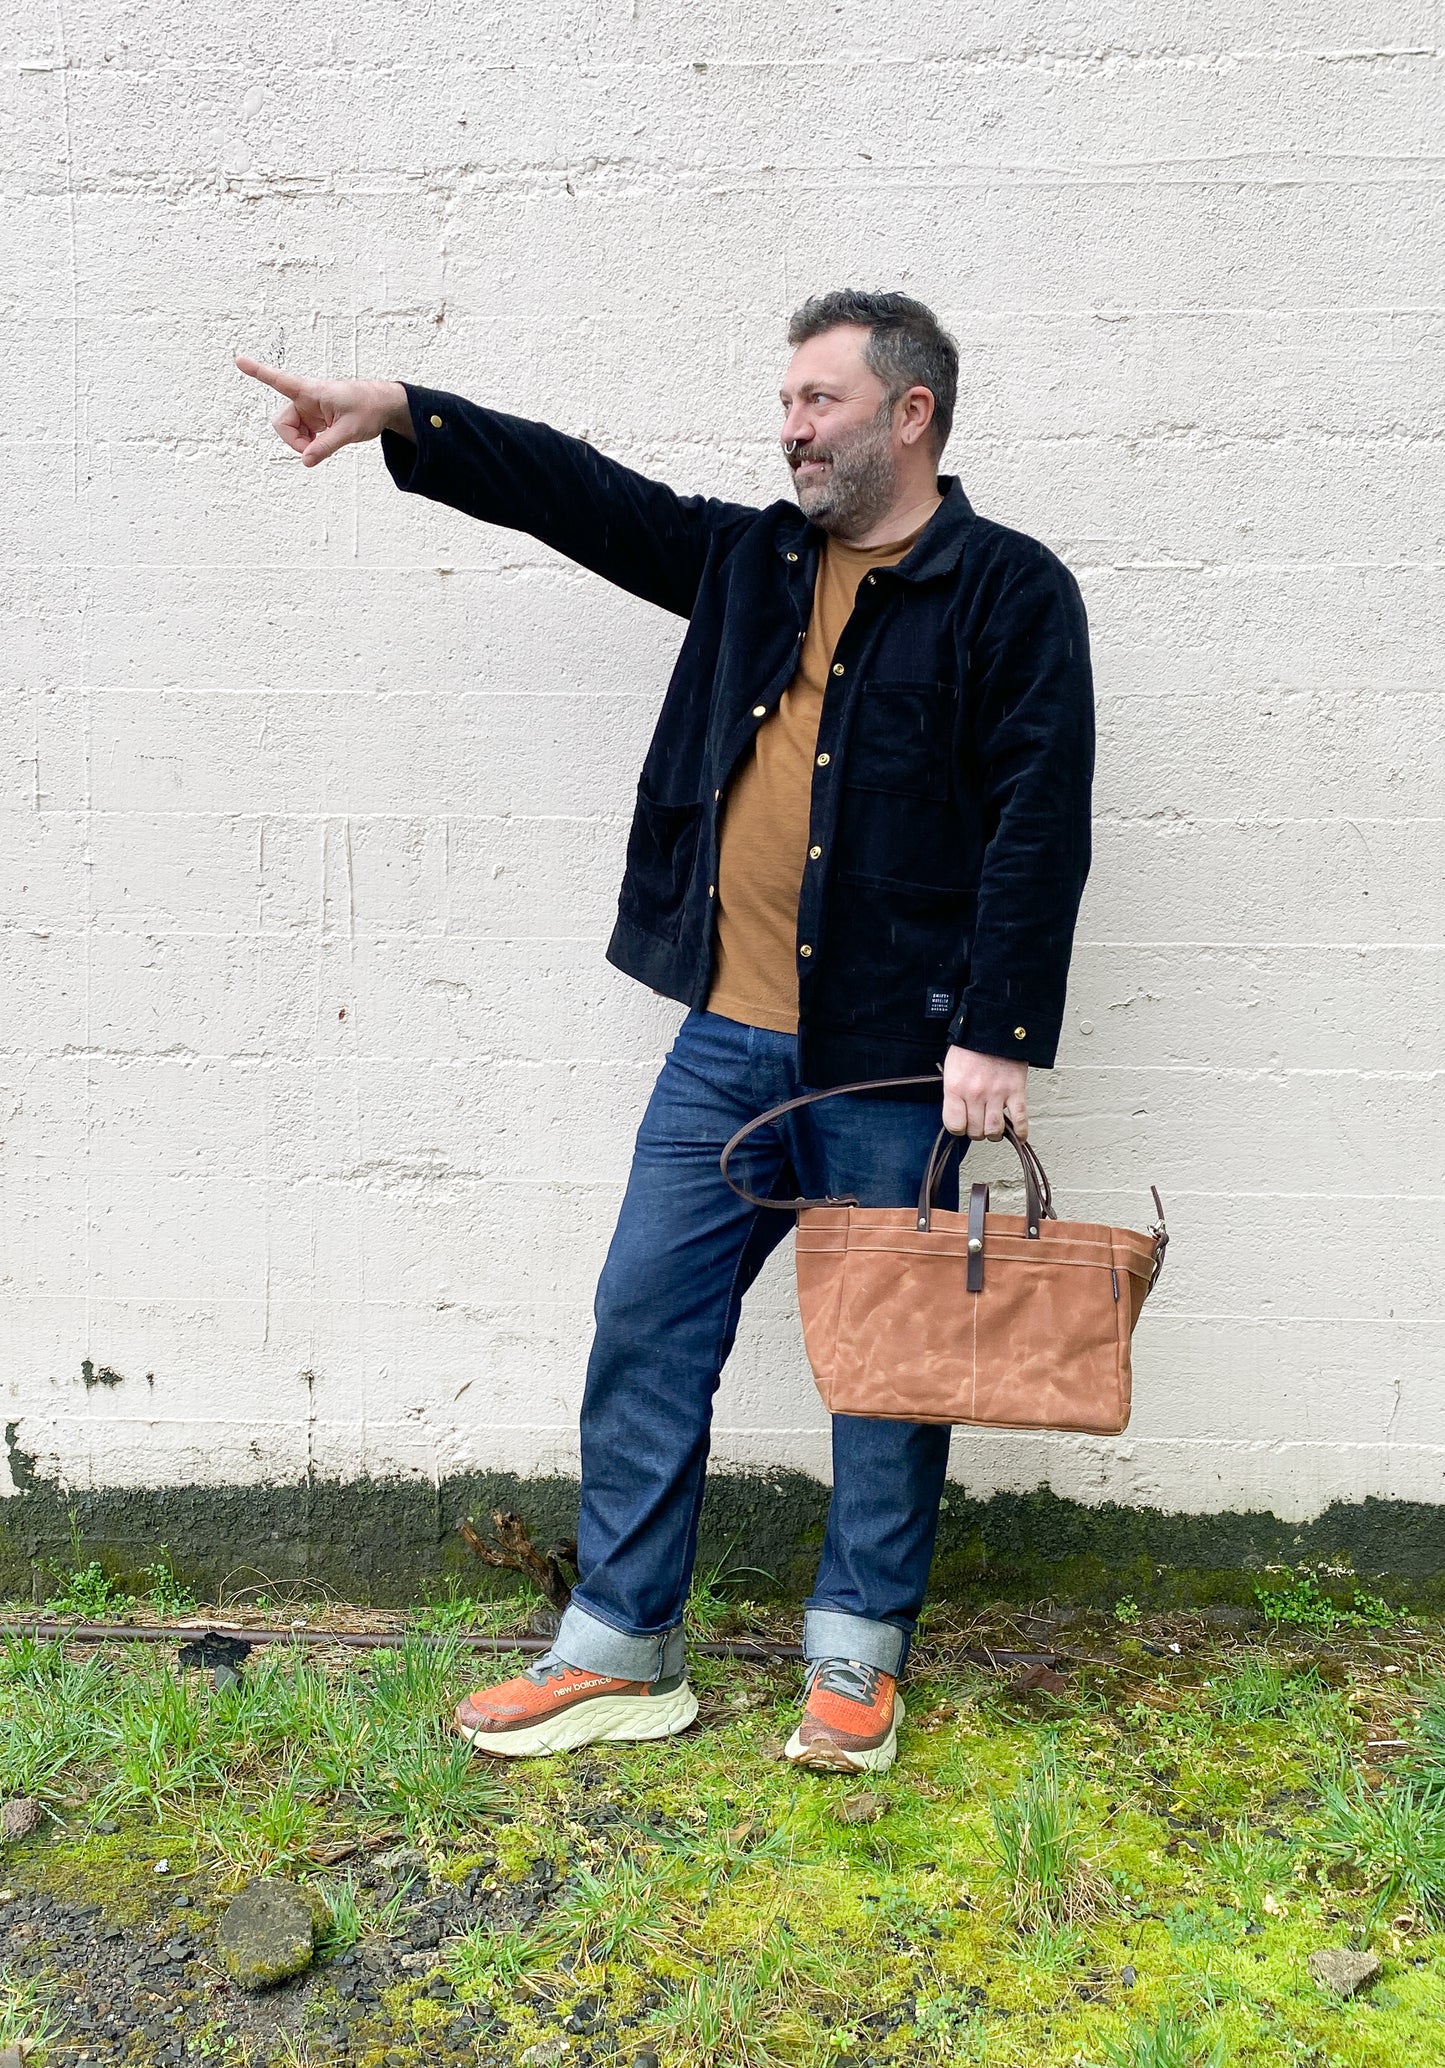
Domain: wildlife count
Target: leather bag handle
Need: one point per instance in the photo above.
(1038, 1198)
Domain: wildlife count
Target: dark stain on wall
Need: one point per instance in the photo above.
(23, 1475)
(99, 1374)
(393, 1541)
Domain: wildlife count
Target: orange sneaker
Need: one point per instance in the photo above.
(850, 1721)
(554, 1707)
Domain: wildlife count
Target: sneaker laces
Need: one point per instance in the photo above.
(846, 1677)
(547, 1668)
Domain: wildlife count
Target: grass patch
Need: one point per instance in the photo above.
(1048, 1877)
(1129, 1873)
(28, 2017)
(1391, 1842)
(1168, 2041)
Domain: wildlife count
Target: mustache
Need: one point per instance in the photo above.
(796, 454)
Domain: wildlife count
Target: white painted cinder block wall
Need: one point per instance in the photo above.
(315, 1090)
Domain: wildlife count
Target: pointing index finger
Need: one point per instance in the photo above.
(275, 377)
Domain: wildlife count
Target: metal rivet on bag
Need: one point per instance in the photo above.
(975, 1243)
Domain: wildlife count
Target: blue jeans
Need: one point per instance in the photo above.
(685, 1251)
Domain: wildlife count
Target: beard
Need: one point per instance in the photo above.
(858, 484)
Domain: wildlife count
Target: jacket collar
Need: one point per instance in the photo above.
(935, 551)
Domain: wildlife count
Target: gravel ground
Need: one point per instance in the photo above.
(156, 1992)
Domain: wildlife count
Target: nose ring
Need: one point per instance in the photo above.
(790, 446)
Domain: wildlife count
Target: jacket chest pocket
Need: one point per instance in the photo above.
(900, 739)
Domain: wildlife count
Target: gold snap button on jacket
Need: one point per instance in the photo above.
(805, 949)
(823, 760)
(1019, 1033)
(792, 556)
(813, 853)
(712, 890)
(760, 710)
(436, 423)
(837, 667)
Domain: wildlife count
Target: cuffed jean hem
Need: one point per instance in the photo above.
(584, 1640)
(829, 1634)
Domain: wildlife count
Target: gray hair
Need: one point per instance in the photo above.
(907, 347)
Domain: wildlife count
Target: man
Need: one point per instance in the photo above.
(860, 840)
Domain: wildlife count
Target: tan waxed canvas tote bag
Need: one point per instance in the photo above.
(918, 1314)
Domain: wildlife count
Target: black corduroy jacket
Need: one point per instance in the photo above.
(949, 829)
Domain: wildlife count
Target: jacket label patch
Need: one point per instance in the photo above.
(939, 1004)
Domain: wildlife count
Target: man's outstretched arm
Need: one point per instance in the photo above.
(506, 470)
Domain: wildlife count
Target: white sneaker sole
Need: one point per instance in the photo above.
(836, 1759)
(605, 1719)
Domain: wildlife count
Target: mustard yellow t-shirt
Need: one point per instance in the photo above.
(763, 849)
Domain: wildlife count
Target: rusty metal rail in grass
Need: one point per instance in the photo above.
(760, 1651)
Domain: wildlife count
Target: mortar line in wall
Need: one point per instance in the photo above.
(1235, 1446)
(997, 315)
(1136, 435)
(1303, 172)
(492, 1059)
(145, 926)
(369, 696)
(553, 576)
(580, 1304)
(1241, 821)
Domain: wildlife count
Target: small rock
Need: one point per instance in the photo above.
(106, 1828)
(12, 2058)
(1342, 1971)
(546, 2053)
(407, 1862)
(646, 2059)
(1227, 1615)
(863, 1808)
(1128, 1976)
(19, 1818)
(267, 1935)
(7, 1896)
(1041, 1680)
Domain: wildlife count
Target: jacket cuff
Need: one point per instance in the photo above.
(414, 467)
(996, 1026)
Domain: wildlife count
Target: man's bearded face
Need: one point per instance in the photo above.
(845, 483)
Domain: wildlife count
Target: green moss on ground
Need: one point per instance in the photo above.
(1222, 1804)
(117, 1870)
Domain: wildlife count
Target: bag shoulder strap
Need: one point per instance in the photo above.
(1039, 1200)
(1036, 1185)
(789, 1106)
